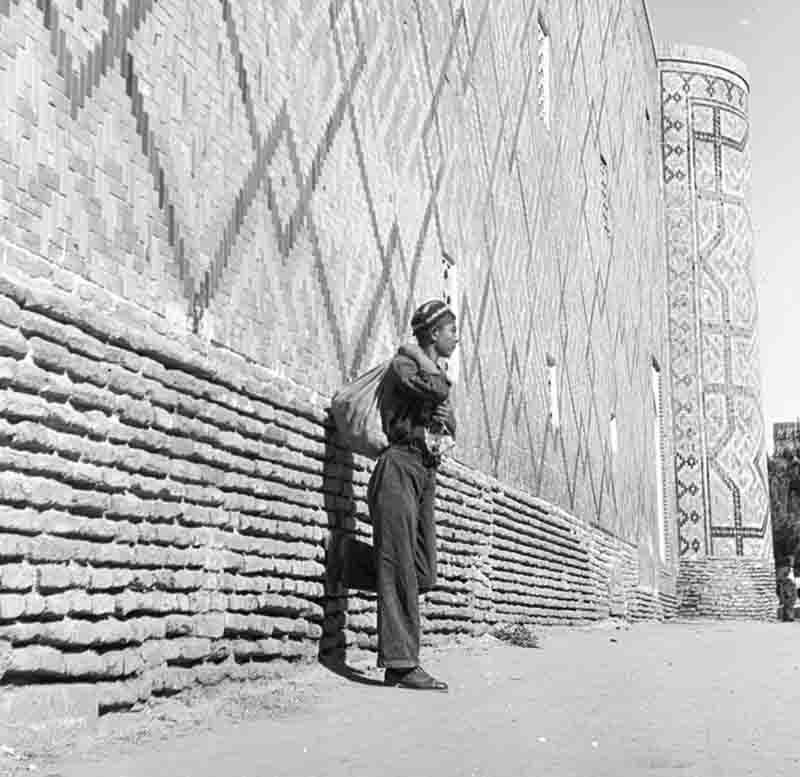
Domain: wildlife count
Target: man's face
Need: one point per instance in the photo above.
(445, 338)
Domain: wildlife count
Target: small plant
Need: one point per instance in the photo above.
(517, 634)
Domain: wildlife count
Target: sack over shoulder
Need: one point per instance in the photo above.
(355, 411)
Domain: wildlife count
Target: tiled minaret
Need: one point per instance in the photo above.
(721, 495)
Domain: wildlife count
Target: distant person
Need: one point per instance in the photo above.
(786, 590)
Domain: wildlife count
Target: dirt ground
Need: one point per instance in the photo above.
(710, 699)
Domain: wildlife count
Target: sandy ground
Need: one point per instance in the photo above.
(680, 699)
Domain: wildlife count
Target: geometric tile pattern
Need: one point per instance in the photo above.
(545, 277)
(721, 490)
(290, 179)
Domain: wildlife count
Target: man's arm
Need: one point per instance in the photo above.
(418, 383)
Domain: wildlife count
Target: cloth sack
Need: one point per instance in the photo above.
(355, 411)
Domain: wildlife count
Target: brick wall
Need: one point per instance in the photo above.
(163, 507)
(290, 180)
(213, 214)
(727, 588)
(210, 219)
(159, 511)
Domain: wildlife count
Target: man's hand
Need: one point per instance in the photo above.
(443, 414)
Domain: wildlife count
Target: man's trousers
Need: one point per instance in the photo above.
(402, 562)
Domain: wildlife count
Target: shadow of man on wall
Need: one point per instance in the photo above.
(349, 562)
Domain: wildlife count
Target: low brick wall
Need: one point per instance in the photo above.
(727, 588)
(163, 508)
(505, 556)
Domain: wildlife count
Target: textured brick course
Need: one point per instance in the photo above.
(145, 552)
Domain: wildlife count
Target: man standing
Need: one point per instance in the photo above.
(415, 409)
(401, 564)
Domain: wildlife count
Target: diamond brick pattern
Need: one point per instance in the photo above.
(289, 176)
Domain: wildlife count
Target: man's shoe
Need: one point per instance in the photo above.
(417, 679)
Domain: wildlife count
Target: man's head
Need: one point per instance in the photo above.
(434, 325)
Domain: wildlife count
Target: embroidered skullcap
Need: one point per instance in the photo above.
(429, 313)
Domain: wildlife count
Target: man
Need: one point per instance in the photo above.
(415, 414)
(414, 403)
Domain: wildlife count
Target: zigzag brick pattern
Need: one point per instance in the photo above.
(284, 179)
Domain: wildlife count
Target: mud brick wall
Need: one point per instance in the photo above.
(727, 588)
(161, 515)
(505, 556)
(163, 508)
(651, 605)
(541, 568)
